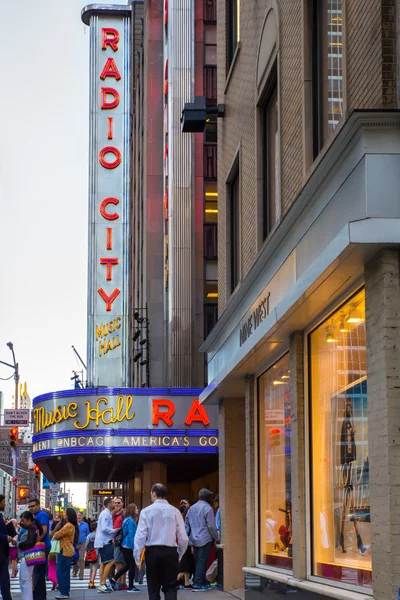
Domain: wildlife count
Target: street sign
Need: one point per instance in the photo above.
(103, 492)
(16, 418)
(14, 479)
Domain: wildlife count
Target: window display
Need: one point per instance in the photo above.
(339, 447)
(275, 468)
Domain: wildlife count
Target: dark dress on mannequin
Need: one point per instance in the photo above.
(348, 455)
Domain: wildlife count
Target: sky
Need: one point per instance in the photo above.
(44, 139)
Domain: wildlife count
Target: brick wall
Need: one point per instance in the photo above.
(382, 298)
(371, 83)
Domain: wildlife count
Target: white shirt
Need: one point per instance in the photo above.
(105, 531)
(160, 524)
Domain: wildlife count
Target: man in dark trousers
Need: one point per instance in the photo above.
(203, 533)
(5, 539)
(161, 533)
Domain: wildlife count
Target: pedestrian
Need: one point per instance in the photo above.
(161, 533)
(12, 528)
(104, 544)
(92, 556)
(68, 533)
(5, 540)
(56, 521)
(203, 533)
(28, 536)
(127, 545)
(39, 572)
(186, 567)
(81, 546)
(119, 559)
(217, 512)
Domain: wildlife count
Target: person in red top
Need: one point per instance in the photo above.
(119, 560)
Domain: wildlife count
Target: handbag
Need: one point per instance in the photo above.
(75, 558)
(55, 547)
(118, 538)
(36, 555)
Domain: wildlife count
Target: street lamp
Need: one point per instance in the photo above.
(16, 371)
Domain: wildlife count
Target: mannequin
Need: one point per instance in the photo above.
(348, 455)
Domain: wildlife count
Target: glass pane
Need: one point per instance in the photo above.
(275, 467)
(271, 163)
(334, 64)
(210, 34)
(211, 210)
(210, 132)
(339, 430)
(210, 57)
(211, 290)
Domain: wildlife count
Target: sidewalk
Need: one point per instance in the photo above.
(182, 595)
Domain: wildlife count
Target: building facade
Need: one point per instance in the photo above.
(304, 360)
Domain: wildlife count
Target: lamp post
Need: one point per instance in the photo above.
(15, 450)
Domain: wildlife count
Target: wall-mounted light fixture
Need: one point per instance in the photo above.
(195, 114)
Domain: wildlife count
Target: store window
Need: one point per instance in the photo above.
(327, 69)
(339, 447)
(275, 466)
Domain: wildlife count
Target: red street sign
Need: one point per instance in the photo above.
(14, 479)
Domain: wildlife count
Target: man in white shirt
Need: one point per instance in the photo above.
(161, 532)
(103, 541)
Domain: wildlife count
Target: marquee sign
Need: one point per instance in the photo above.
(124, 420)
(109, 193)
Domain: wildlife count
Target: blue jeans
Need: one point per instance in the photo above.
(64, 573)
(39, 577)
(201, 555)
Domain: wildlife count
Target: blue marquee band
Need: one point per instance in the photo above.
(118, 391)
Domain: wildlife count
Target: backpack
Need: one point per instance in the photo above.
(91, 554)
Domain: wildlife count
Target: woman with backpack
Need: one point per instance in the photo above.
(126, 540)
(67, 532)
(28, 536)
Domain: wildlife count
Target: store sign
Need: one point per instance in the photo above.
(109, 195)
(254, 319)
(123, 422)
(103, 492)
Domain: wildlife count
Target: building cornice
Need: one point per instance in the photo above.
(350, 132)
(108, 10)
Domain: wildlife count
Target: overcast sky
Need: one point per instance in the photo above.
(43, 190)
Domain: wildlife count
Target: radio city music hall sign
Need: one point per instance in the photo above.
(109, 198)
(96, 422)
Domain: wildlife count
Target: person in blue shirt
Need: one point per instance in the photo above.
(127, 545)
(84, 531)
(39, 572)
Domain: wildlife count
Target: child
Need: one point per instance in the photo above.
(92, 555)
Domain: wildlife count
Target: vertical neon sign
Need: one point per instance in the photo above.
(109, 196)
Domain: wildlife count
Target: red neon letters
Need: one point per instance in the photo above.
(103, 209)
(164, 415)
(110, 150)
(109, 100)
(109, 262)
(108, 299)
(164, 410)
(110, 69)
(109, 41)
(197, 412)
(106, 104)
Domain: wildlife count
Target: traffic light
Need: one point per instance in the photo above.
(37, 471)
(274, 437)
(23, 492)
(13, 437)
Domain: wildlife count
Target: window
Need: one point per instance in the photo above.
(339, 447)
(210, 47)
(327, 69)
(234, 197)
(210, 318)
(233, 24)
(270, 152)
(275, 466)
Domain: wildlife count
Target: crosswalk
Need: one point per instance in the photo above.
(76, 583)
